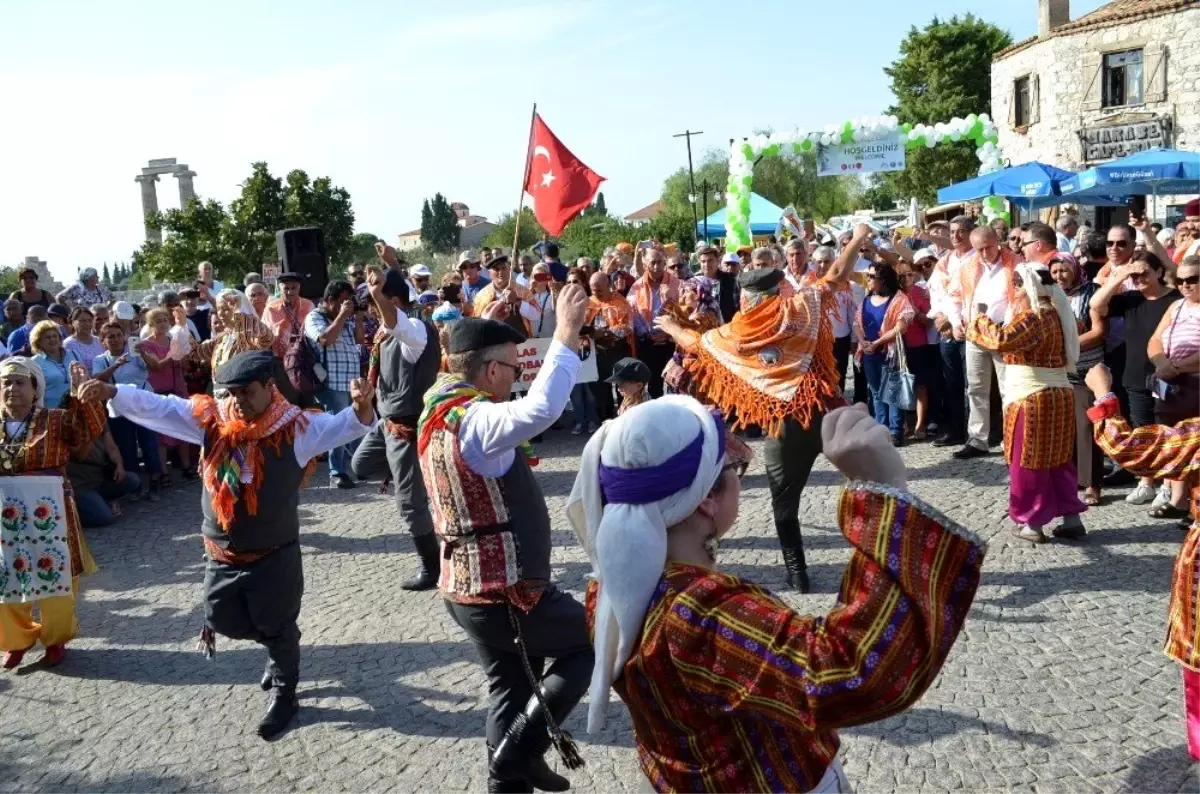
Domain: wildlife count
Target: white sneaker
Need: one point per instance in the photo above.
(1141, 495)
(1162, 497)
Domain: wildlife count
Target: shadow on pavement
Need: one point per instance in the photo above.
(917, 726)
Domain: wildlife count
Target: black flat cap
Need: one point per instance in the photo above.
(629, 370)
(475, 333)
(58, 310)
(282, 277)
(760, 279)
(395, 285)
(499, 261)
(244, 369)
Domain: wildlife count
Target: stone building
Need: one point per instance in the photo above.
(1124, 78)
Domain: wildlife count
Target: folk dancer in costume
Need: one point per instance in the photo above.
(39, 440)
(257, 449)
(698, 310)
(1172, 453)
(729, 688)
(1038, 346)
(404, 364)
(490, 514)
(773, 365)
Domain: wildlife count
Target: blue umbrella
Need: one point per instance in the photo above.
(1030, 186)
(1145, 173)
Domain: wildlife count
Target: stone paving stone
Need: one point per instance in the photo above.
(1056, 684)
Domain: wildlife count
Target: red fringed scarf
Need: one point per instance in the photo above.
(232, 460)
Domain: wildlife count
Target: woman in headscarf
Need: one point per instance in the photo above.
(728, 687)
(1089, 461)
(38, 441)
(1039, 345)
(699, 310)
(237, 329)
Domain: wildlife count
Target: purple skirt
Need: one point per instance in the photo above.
(1039, 496)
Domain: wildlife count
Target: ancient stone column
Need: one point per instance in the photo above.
(149, 205)
(187, 191)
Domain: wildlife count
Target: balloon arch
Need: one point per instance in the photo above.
(978, 129)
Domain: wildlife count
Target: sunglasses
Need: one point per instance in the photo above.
(676, 266)
(1116, 243)
(1189, 280)
(872, 275)
(737, 467)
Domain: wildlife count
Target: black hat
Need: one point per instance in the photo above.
(282, 277)
(244, 369)
(475, 333)
(395, 285)
(629, 370)
(497, 262)
(762, 279)
(58, 310)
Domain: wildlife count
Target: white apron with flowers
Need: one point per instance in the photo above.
(35, 560)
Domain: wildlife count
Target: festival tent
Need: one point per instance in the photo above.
(1145, 173)
(764, 219)
(1030, 186)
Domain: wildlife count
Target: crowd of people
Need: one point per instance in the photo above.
(1043, 340)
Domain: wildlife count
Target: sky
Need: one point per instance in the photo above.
(397, 100)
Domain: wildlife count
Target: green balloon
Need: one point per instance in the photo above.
(748, 150)
(906, 128)
(746, 180)
(916, 143)
(848, 133)
(806, 145)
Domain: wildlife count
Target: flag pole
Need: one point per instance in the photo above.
(524, 180)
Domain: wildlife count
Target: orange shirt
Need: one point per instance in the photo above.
(276, 317)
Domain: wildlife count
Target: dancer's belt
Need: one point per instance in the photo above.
(228, 556)
(402, 427)
(450, 544)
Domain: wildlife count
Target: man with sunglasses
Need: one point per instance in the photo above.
(473, 280)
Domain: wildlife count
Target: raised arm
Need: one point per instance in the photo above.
(843, 266)
(1108, 289)
(162, 413)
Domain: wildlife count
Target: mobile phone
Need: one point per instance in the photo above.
(644, 244)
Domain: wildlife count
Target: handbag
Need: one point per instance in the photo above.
(898, 385)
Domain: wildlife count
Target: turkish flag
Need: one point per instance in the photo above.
(560, 184)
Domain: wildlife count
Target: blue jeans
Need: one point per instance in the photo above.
(93, 505)
(129, 437)
(583, 405)
(339, 458)
(887, 415)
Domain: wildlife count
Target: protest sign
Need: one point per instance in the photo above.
(532, 354)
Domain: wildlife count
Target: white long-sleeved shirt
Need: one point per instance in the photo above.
(172, 416)
(490, 432)
(412, 335)
(991, 288)
(940, 283)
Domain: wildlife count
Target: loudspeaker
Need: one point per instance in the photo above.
(302, 251)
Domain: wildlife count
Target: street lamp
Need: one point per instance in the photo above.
(705, 187)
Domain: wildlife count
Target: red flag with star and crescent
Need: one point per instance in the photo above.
(560, 184)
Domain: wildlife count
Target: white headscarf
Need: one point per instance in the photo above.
(627, 543)
(1035, 289)
(244, 305)
(27, 367)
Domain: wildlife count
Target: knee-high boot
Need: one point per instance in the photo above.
(521, 753)
(429, 555)
(791, 543)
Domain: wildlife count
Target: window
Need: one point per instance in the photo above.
(1122, 78)
(1021, 103)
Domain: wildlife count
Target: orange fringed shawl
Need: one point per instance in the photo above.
(232, 460)
(771, 362)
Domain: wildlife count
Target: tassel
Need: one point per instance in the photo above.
(207, 643)
(568, 751)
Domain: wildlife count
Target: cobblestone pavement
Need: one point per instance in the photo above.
(1056, 684)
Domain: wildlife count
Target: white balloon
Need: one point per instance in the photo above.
(985, 118)
(930, 141)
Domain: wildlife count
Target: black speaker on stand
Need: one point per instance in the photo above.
(302, 251)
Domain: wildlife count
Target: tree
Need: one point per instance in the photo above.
(242, 238)
(439, 232)
(597, 208)
(105, 278)
(10, 282)
(502, 235)
(362, 248)
(589, 235)
(943, 72)
(713, 168)
(879, 194)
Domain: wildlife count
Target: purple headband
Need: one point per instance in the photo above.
(653, 483)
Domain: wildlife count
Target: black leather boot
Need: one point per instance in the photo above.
(497, 785)
(281, 710)
(266, 681)
(792, 545)
(522, 750)
(429, 554)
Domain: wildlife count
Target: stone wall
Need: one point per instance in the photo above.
(1064, 68)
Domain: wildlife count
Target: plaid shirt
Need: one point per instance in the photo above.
(341, 359)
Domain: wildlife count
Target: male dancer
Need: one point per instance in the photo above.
(256, 450)
(773, 365)
(404, 365)
(492, 519)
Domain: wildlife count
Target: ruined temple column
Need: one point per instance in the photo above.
(187, 191)
(149, 205)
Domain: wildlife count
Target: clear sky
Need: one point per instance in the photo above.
(396, 100)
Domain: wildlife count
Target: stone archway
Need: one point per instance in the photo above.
(149, 177)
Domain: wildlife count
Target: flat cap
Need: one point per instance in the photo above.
(629, 370)
(244, 369)
(475, 333)
(761, 279)
(288, 276)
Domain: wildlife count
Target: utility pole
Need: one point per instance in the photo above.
(691, 175)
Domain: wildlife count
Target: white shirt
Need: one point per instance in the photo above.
(412, 335)
(172, 416)
(992, 289)
(489, 433)
(1065, 244)
(939, 289)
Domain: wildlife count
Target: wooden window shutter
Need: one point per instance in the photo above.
(1093, 81)
(1154, 73)
(1035, 99)
(1012, 105)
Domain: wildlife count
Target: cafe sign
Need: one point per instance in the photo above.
(1102, 143)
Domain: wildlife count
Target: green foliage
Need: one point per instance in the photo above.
(242, 238)
(589, 235)
(362, 248)
(713, 167)
(943, 72)
(440, 229)
(597, 207)
(105, 277)
(879, 195)
(9, 281)
(502, 235)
